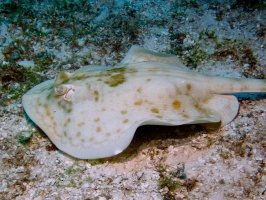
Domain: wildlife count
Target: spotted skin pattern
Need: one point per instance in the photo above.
(95, 111)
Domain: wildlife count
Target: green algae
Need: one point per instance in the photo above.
(16, 80)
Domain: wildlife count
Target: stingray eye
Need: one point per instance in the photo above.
(61, 90)
(66, 91)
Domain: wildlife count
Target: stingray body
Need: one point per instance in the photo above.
(95, 111)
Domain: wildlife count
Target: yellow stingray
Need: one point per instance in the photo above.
(95, 111)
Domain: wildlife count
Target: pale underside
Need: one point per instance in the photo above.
(94, 112)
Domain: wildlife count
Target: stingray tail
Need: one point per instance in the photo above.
(239, 85)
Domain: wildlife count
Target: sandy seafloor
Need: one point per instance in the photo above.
(223, 38)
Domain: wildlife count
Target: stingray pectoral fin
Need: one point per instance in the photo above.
(97, 145)
(226, 105)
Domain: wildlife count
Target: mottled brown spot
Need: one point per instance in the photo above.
(123, 112)
(132, 71)
(82, 140)
(81, 124)
(139, 90)
(189, 87)
(65, 105)
(79, 77)
(96, 119)
(159, 116)
(78, 134)
(197, 106)
(98, 129)
(118, 130)
(178, 91)
(155, 110)
(91, 139)
(125, 121)
(148, 79)
(138, 103)
(48, 113)
(107, 134)
(67, 122)
(61, 77)
(96, 95)
(206, 99)
(200, 108)
(116, 76)
(176, 104)
(185, 116)
(65, 133)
